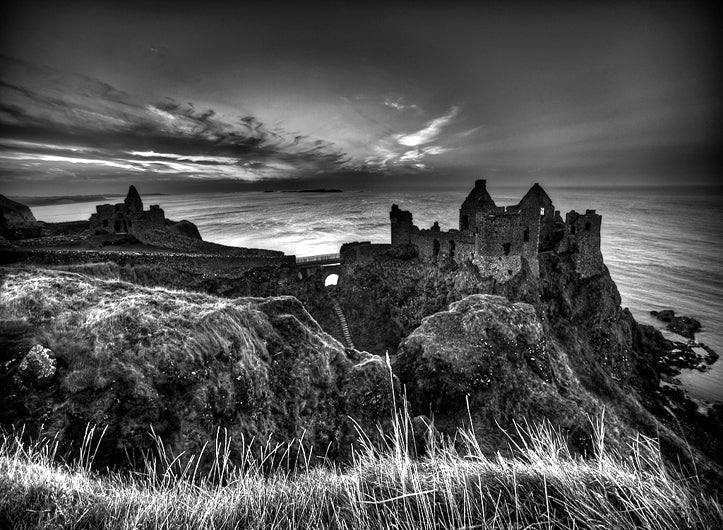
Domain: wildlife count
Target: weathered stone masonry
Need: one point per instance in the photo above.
(127, 217)
(500, 239)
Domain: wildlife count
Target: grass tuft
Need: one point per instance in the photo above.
(454, 485)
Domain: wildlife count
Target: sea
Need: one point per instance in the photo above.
(661, 244)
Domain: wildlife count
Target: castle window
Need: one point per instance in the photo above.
(332, 279)
(117, 226)
(451, 249)
(464, 224)
(506, 247)
(542, 211)
(435, 248)
(587, 226)
(105, 223)
(526, 235)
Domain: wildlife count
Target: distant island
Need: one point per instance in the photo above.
(318, 190)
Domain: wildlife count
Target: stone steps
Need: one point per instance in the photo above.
(343, 322)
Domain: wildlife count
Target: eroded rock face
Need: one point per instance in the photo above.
(187, 228)
(16, 220)
(494, 354)
(469, 348)
(130, 357)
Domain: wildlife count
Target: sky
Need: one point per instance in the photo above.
(201, 96)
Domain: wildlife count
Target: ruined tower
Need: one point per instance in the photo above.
(127, 216)
(477, 202)
(401, 225)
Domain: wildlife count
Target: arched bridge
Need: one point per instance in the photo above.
(316, 261)
(325, 264)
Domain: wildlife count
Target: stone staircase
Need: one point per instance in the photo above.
(342, 321)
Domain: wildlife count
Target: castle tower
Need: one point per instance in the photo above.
(583, 238)
(133, 201)
(401, 225)
(477, 202)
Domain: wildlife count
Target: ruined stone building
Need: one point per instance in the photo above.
(126, 217)
(499, 239)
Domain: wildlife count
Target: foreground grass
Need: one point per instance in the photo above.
(453, 486)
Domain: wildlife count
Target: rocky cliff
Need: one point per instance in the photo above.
(589, 352)
(16, 220)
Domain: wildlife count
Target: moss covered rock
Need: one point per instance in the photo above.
(131, 358)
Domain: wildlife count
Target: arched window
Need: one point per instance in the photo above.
(526, 235)
(332, 279)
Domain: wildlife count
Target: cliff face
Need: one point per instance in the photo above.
(16, 220)
(489, 360)
(597, 355)
(130, 357)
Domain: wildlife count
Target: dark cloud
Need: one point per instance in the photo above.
(559, 91)
(114, 125)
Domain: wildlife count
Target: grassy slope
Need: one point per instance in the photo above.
(542, 487)
(129, 357)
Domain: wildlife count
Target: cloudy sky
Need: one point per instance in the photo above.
(200, 96)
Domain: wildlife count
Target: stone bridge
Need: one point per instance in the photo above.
(324, 264)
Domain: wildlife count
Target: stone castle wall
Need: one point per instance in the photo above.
(127, 216)
(583, 239)
(360, 251)
(202, 264)
(500, 239)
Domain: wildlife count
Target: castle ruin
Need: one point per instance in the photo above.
(126, 217)
(500, 239)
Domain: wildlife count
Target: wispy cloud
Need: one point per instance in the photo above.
(411, 149)
(43, 111)
(399, 104)
(429, 132)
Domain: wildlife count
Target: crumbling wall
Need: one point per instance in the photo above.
(360, 251)
(127, 216)
(499, 245)
(583, 240)
(402, 225)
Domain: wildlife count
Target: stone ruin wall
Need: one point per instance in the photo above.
(435, 244)
(111, 219)
(360, 251)
(582, 238)
(500, 238)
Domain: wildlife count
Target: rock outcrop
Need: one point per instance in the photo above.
(488, 359)
(16, 220)
(129, 358)
(684, 326)
(185, 228)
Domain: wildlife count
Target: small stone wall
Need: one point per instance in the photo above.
(204, 264)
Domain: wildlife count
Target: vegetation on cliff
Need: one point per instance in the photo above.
(130, 357)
